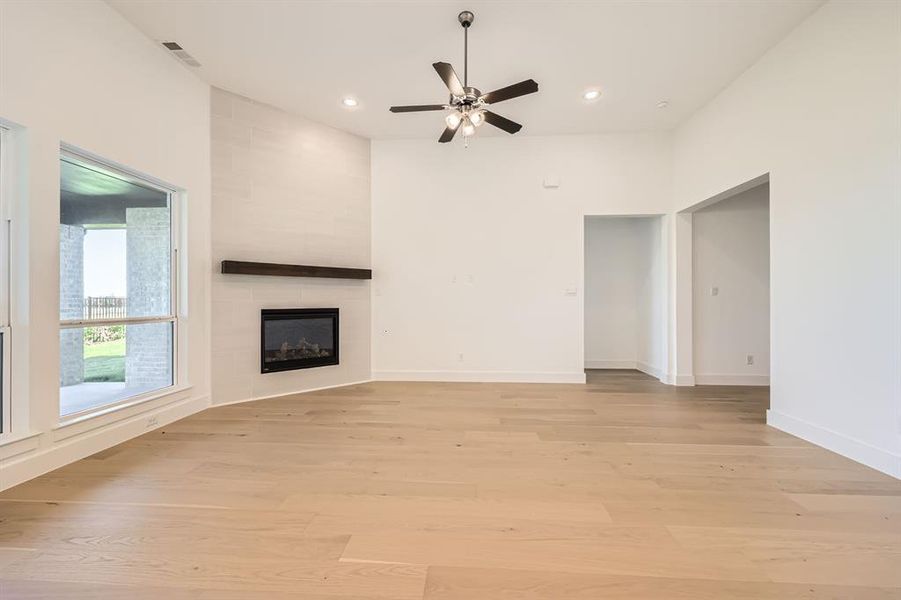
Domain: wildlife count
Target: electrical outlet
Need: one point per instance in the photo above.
(714, 291)
(460, 357)
(750, 359)
(152, 422)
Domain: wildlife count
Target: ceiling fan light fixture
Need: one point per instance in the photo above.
(468, 127)
(453, 119)
(477, 117)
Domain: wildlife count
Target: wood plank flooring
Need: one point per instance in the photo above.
(622, 488)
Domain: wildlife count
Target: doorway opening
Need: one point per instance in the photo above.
(625, 294)
(731, 289)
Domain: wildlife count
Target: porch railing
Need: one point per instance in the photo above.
(104, 307)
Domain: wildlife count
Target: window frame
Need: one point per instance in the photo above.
(6, 405)
(83, 159)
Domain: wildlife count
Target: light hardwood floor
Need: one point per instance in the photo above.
(619, 489)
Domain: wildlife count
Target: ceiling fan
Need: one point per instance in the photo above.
(467, 104)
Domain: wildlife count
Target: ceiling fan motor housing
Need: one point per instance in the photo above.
(470, 97)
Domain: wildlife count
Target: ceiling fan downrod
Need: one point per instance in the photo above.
(466, 18)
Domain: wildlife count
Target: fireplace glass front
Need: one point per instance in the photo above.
(298, 338)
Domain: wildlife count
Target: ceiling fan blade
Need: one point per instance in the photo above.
(511, 91)
(416, 108)
(449, 77)
(448, 135)
(502, 122)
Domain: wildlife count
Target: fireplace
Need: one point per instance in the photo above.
(298, 338)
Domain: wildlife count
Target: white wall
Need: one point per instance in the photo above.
(820, 114)
(472, 256)
(285, 190)
(652, 302)
(731, 247)
(77, 72)
(624, 294)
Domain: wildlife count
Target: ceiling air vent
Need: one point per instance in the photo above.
(179, 52)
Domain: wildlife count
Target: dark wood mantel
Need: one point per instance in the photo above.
(240, 267)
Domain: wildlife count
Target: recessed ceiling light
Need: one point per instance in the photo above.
(663, 104)
(349, 102)
(591, 95)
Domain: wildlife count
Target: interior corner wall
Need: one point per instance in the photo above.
(819, 113)
(731, 255)
(624, 294)
(285, 190)
(123, 98)
(478, 265)
(652, 301)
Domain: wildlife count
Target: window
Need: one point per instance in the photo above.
(117, 300)
(5, 174)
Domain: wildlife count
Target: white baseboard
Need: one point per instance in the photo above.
(686, 380)
(876, 458)
(39, 460)
(283, 394)
(651, 370)
(720, 379)
(610, 364)
(678, 380)
(481, 376)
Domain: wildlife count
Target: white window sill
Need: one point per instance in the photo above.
(126, 409)
(13, 444)
(13, 437)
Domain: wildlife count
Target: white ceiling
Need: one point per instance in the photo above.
(305, 56)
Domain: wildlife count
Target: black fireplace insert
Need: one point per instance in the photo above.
(298, 338)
